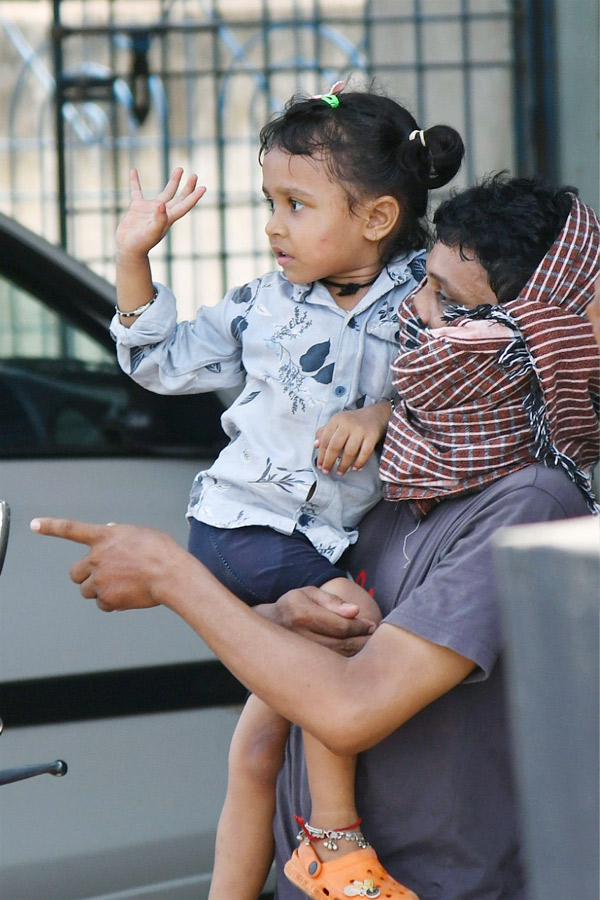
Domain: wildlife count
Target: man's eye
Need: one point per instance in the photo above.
(443, 300)
(296, 205)
(270, 204)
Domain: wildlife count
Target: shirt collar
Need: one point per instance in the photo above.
(397, 271)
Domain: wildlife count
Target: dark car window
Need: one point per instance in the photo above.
(58, 386)
(62, 393)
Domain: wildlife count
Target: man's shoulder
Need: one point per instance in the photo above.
(541, 486)
(532, 494)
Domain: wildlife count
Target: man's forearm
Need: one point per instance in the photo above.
(349, 704)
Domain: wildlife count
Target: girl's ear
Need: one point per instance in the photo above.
(384, 213)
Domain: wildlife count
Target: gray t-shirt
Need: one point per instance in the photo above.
(437, 797)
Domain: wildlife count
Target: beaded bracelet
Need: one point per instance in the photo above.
(139, 310)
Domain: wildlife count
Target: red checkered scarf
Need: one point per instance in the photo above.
(503, 386)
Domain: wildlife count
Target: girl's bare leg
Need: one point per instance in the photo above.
(331, 777)
(331, 783)
(244, 845)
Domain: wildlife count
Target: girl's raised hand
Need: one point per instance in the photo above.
(147, 221)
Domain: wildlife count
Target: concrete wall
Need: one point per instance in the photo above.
(549, 581)
(578, 80)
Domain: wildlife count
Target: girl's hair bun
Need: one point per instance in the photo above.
(434, 154)
(446, 152)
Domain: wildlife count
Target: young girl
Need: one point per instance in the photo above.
(346, 178)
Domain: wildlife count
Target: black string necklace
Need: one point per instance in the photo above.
(352, 287)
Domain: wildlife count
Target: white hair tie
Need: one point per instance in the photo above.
(421, 135)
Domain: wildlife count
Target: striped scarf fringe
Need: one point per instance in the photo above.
(516, 360)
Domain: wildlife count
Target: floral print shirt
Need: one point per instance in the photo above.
(300, 358)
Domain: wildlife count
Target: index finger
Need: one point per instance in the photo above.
(81, 532)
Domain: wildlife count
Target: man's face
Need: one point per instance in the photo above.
(450, 280)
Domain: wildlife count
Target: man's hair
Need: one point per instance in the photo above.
(507, 224)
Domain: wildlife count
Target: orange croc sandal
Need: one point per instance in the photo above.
(358, 874)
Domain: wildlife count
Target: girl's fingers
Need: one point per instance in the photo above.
(135, 187)
(342, 447)
(172, 185)
(185, 191)
(179, 207)
(188, 187)
(363, 456)
(350, 453)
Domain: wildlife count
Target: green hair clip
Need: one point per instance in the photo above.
(331, 98)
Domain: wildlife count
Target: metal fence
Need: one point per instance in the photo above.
(94, 87)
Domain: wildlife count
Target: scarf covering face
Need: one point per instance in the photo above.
(501, 387)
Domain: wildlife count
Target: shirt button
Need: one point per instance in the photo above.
(340, 390)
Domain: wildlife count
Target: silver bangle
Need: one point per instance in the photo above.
(139, 310)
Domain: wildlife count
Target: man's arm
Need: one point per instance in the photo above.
(349, 704)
